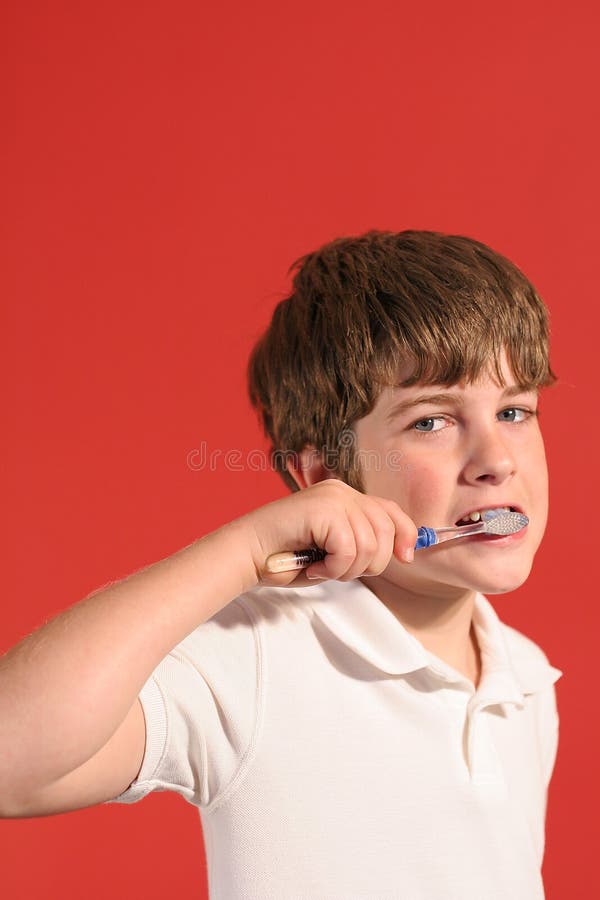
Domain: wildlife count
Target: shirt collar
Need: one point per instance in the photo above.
(511, 667)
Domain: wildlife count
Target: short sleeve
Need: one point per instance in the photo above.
(201, 707)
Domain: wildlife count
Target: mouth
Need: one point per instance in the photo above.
(475, 515)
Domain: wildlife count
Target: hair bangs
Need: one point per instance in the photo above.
(459, 342)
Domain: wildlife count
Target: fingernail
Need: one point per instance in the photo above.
(408, 554)
(315, 577)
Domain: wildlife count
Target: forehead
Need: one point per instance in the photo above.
(395, 399)
(486, 378)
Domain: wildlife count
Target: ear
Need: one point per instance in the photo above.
(310, 468)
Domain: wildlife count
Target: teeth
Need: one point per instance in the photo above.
(476, 516)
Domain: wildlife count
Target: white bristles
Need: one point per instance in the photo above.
(499, 521)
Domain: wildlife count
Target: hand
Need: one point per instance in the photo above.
(360, 533)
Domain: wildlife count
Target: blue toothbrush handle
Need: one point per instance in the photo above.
(427, 537)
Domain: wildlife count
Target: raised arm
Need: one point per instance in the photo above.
(71, 725)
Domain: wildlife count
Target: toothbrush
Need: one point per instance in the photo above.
(493, 521)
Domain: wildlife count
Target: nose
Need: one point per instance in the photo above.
(489, 459)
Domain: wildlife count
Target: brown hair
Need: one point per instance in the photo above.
(361, 307)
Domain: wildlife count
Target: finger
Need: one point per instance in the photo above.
(406, 532)
(366, 544)
(339, 542)
(384, 529)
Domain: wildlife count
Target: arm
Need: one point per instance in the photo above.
(69, 712)
(102, 778)
(71, 727)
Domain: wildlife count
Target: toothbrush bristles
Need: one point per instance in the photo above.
(500, 521)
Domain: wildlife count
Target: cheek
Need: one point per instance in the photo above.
(539, 482)
(422, 493)
(419, 488)
(538, 474)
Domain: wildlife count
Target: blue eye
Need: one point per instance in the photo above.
(514, 414)
(512, 410)
(425, 421)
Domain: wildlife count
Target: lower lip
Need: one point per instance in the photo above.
(498, 540)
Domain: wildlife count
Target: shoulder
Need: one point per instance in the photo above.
(264, 606)
(516, 651)
(534, 671)
(243, 621)
(521, 646)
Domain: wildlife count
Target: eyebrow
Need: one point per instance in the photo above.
(404, 405)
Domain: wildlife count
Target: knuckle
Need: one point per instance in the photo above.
(335, 483)
(413, 531)
(340, 573)
(348, 575)
(343, 577)
(345, 551)
(346, 556)
(387, 527)
(380, 562)
(369, 545)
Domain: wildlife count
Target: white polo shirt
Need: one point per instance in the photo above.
(332, 757)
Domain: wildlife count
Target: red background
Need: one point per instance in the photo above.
(163, 164)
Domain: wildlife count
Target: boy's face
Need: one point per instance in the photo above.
(475, 449)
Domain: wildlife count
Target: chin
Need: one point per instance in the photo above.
(501, 582)
(497, 576)
(494, 589)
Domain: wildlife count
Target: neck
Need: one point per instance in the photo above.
(443, 624)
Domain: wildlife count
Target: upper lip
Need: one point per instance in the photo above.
(493, 505)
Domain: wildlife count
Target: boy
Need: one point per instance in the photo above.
(378, 733)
